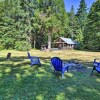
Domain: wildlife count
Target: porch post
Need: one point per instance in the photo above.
(63, 45)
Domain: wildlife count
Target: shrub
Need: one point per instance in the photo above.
(1, 47)
(22, 45)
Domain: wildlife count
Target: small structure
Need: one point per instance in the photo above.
(44, 47)
(64, 43)
(8, 55)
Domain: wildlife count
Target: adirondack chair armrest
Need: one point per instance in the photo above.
(34, 60)
(96, 66)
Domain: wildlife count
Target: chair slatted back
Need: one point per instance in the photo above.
(57, 63)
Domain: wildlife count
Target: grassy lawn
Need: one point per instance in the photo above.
(19, 81)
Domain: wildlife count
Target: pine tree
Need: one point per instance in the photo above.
(14, 24)
(82, 21)
(7, 25)
(72, 23)
(31, 22)
(82, 14)
(92, 36)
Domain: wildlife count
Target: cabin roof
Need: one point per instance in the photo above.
(68, 40)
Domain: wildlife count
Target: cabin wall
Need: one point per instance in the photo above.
(60, 44)
(63, 46)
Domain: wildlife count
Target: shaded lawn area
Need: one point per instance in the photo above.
(19, 81)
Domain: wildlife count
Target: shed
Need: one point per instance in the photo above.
(65, 43)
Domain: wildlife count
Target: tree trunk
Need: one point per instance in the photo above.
(49, 41)
(34, 44)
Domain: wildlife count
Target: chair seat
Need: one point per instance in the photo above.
(97, 69)
(34, 60)
(97, 66)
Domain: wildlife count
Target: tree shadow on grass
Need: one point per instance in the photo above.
(46, 87)
(20, 81)
(13, 59)
(15, 63)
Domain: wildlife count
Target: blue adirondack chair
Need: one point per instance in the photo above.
(96, 66)
(34, 60)
(57, 63)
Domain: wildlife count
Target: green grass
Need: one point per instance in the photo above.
(19, 81)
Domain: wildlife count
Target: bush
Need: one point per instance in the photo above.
(1, 47)
(22, 46)
(8, 43)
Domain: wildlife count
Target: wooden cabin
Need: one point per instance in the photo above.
(64, 43)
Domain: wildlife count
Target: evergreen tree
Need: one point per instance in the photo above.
(7, 25)
(31, 22)
(73, 25)
(82, 21)
(92, 36)
(82, 14)
(17, 23)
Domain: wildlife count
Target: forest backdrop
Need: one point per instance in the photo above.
(26, 24)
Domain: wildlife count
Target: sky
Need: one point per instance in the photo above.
(75, 3)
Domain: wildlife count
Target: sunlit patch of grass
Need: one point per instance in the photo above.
(61, 96)
(8, 70)
(98, 80)
(69, 74)
(39, 75)
(71, 89)
(39, 97)
(18, 76)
